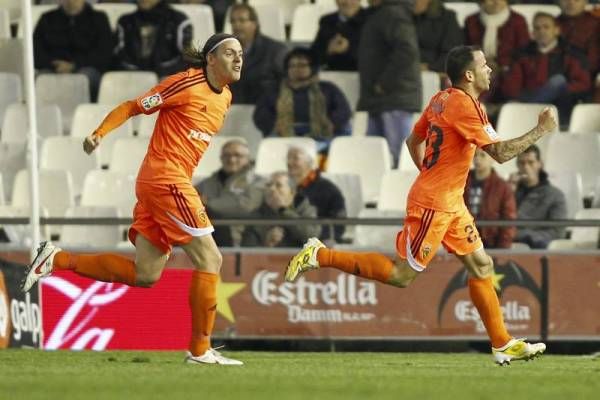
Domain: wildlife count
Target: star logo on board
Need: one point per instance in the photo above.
(225, 291)
(496, 279)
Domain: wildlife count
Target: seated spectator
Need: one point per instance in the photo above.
(321, 192)
(74, 38)
(537, 199)
(263, 56)
(437, 32)
(303, 105)
(281, 202)
(548, 70)
(488, 196)
(234, 191)
(336, 44)
(581, 29)
(500, 32)
(153, 38)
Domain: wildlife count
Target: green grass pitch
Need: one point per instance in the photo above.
(31, 374)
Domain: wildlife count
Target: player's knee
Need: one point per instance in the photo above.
(210, 260)
(147, 279)
(483, 267)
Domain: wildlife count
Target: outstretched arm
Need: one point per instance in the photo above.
(113, 120)
(508, 149)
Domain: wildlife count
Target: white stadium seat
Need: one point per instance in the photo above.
(382, 237)
(430, 84)
(201, 17)
(585, 118)
(119, 86)
(128, 154)
(347, 82)
(36, 12)
(4, 24)
(305, 22)
(2, 195)
(272, 153)
(571, 184)
(65, 90)
(10, 91)
(239, 123)
(395, 186)
(15, 127)
(110, 188)
(91, 235)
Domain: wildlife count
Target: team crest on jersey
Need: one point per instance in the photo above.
(151, 101)
(202, 217)
(489, 129)
(425, 250)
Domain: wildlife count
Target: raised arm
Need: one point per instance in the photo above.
(508, 149)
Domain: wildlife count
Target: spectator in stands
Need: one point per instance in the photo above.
(153, 38)
(490, 197)
(321, 192)
(548, 70)
(336, 44)
(74, 38)
(500, 32)
(281, 202)
(303, 105)
(537, 199)
(389, 68)
(219, 8)
(234, 191)
(263, 56)
(437, 32)
(581, 29)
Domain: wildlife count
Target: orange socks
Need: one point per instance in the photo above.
(367, 265)
(101, 267)
(484, 297)
(203, 302)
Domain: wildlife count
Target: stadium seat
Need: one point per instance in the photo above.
(211, 160)
(65, 153)
(106, 236)
(109, 188)
(571, 184)
(15, 126)
(239, 123)
(36, 12)
(380, 237)
(514, 120)
(368, 156)
(585, 118)
(146, 124)
(287, 7)
(596, 196)
(272, 153)
(14, 9)
(12, 160)
(305, 22)
(517, 246)
(2, 196)
(114, 11)
(576, 153)
(88, 117)
(394, 189)
(65, 90)
(201, 17)
(430, 84)
(405, 163)
(270, 17)
(462, 10)
(55, 191)
(119, 86)
(21, 234)
(11, 56)
(584, 234)
(4, 24)
(529, 11)
(349, 185)
(360, 123)
(10, 91)
(570, 245)
(348, 82)
(128, 154)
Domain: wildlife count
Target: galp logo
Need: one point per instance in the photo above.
(505, 275)
(4, 314)
(86, 304)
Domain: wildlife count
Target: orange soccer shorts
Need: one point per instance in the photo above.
(168, 215)
(425, 229)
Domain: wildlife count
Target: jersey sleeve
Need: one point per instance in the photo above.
(471, 123)
(420, 128)
(166, 94)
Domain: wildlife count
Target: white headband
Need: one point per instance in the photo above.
(220, 42)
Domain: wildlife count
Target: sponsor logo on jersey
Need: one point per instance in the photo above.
(197, 135)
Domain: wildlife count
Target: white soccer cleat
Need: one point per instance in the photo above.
(211, 356)
(41, 265)
(517, 349)
(305, 260)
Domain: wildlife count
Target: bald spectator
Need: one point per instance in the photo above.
(581, 29)
(74, 38)
(153, 38)
(321, 192)
(281, 202)
(263, 56)
(234, 191)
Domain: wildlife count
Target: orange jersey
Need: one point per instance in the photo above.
(191, 113)
(453, 125)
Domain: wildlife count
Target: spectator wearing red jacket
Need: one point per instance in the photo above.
(581, 29)
(548, 70)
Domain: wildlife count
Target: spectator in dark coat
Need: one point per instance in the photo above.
(321, 192)
(303, 105)
(437, 32)
(581, 29)
(336, 44)
(490, 197)
(74, 38)
(548, 70)
(390, 72)
(263, 56)
(153, 38)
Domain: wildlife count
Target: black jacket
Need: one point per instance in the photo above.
(263, 67)
(329, 26)
(84, 39)
(388, 57)
(153, 40)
